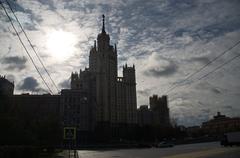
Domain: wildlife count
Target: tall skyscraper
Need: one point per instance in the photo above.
(103, 66)
(114, 97)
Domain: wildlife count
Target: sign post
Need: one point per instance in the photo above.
(69, 134)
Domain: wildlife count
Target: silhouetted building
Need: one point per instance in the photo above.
(39, 106)
(114, 97)
(6, 91)
(126, 97)
(76, 109)
(6, 87)
(99, 102)
(31, 120)
(158, 113)
(193, 131)
(145, 117)
(160, 110)
(221, 124)
(36, 107)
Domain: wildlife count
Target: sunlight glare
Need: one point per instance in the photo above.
(61, 44)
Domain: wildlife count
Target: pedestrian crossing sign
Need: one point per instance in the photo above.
(69, 133)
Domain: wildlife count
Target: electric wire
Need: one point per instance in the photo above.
(219, 67)
(169, 90)
(34, 50)
(26, 49)
(203, 67)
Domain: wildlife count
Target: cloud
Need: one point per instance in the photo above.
(216, 91)
(10, 77)
(206, 86)
(145, 92)
(228, 107)
(16, 5)
(49, 3)
(203, 60)
(65, 84)
(14, 62)
(206, 111)
(161, 70)
(159, 36)
(190, 112)
(30, 84)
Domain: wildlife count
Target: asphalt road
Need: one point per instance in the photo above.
(201, 150)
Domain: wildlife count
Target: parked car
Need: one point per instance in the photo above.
(165, 144)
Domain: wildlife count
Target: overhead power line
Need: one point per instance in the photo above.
(34, 50)
(26, 49)
(203, 67)
(219, 67)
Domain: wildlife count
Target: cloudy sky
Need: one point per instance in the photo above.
(167, 40)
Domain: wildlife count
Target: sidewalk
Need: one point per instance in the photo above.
(65, 154)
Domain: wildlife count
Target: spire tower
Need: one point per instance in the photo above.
(103, 21)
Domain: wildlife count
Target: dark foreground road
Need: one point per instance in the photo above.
(201, 150)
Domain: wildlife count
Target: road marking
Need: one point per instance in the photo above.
(204, 153)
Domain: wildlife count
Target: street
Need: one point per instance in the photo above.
(201, 150)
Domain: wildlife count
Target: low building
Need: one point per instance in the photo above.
(193, 131)
(160, 110)
(158, 113)
(6, 91)
(221, 124)
(31, 120)
(6, 87)
(145, 116)
(76, 110)
(41, 105)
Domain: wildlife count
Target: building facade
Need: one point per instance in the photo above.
(6, 87)
(160, 110)
(158, 113)
(221, 124)
(6, 91)
(145, 116)
(114, 97)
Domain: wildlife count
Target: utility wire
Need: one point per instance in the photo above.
(219, 67)
(203, 67)
(32, 46)
(25, 48)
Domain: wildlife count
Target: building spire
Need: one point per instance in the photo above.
(103, 26)
(115, 47)
(95, 44)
